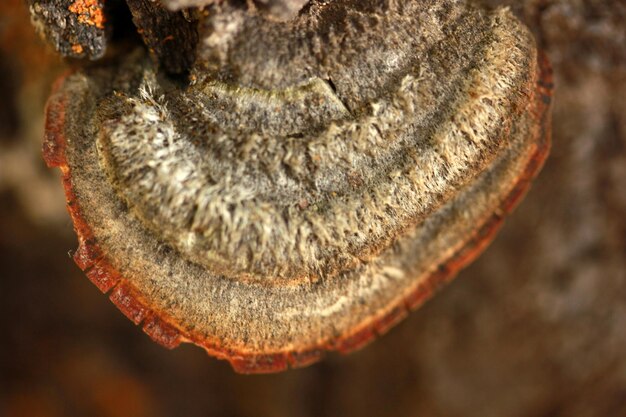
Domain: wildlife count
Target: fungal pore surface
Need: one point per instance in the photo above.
(273, 180)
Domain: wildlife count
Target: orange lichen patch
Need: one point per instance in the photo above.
(77, 49)
(159, 326)
(89, 12)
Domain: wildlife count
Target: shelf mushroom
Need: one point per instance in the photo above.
(301, 183)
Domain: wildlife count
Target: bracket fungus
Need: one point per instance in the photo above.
(309, 179)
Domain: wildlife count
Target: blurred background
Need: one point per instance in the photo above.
(536, 327)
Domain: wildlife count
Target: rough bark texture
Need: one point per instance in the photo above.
(76, 28)
(170, 37)
(534, 327)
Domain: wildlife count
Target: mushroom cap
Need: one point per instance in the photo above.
(317, 180)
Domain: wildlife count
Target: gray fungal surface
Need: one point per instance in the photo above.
(314, 177)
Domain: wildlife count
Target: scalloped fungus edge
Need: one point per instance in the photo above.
(156, 324)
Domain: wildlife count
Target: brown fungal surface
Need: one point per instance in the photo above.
(316, 180)
(276, 9)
